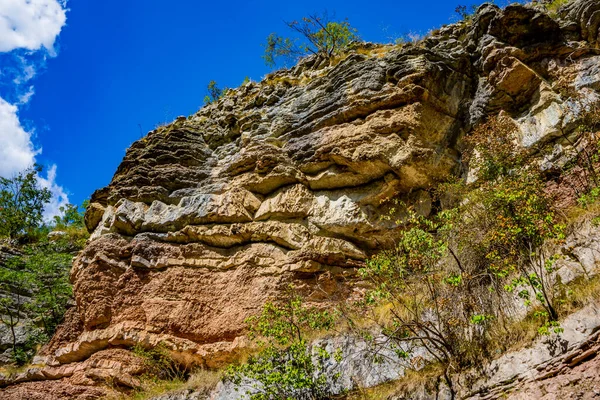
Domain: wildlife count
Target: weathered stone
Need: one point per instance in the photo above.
(285, 181)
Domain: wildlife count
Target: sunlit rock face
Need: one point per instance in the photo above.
(285, 181)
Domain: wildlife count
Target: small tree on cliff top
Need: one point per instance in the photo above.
(322, 37)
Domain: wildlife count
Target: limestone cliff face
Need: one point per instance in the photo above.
(284, 181)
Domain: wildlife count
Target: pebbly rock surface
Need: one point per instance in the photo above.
(285, 181)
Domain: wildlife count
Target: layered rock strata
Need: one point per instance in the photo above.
(285, 181)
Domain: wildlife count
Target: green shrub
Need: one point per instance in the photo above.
(21, 203)
(286, 367)
(447, 281)
(322, 37)
(214, 92)
(160, 363)
(431, 303)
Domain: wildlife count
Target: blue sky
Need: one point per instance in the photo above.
(75, 92)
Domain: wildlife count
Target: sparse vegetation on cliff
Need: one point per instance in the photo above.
(287, 366)
(319, 36)
(287, 183)
(214, 92)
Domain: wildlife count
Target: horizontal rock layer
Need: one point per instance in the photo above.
(285, 181)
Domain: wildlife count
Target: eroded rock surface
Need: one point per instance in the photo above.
(284, 181)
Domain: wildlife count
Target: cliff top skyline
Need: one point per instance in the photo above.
(80, 81)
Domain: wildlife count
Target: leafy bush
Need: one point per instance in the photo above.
(21, 203)
(286, 367)
(214, 92)
(506, 215)
(160, 363)
(504, 226)
(432, 304)
(322, 37)
(450, 277)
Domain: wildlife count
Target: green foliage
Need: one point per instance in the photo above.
(214, 92)
(428, 302)
(587, 199)
(320, 36)
(160, 363)
(507, 216)
(504, 225)
(21, 203)
(481, 319)
(15, 286)
(553, 6)
(51, 287)
(35, 284)
(70, 216)
(71, 225)
(39, 287)
(289, 322)
(450, 275)
(286, 367)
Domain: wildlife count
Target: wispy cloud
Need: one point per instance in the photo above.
(24, 97)
(28, 32)
(25, 73)
(59, 197)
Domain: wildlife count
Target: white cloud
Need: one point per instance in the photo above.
(30, 27)
(17, 151)
(59, 197)
(26, 96)
(27, 71)
(30, 24)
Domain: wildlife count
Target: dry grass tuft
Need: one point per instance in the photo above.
(201, 380)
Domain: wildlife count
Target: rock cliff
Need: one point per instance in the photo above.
(284, 181)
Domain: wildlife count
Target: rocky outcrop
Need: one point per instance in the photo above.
(285, 181)
(549, 367)
(114, 368)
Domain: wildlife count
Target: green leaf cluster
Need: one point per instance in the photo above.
(36, 285)
(286, 367)
(317, 35)
(214, 92)
(22, 203)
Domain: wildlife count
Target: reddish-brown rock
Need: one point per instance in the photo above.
(284, 181)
